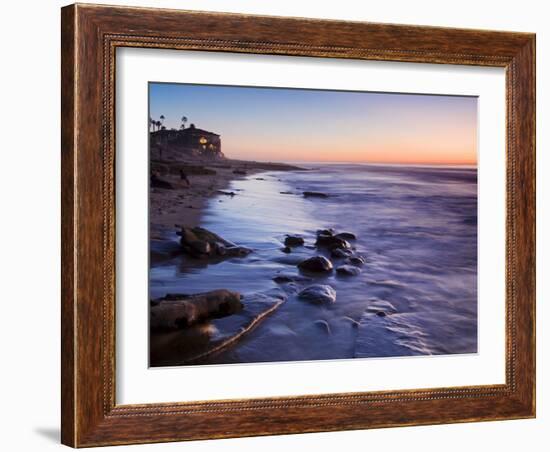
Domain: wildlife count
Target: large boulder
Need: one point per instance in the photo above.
(175, 312)
(202, 244)
(318, 294)
(195, 344)
(316, 264)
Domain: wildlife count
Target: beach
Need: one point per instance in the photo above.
(207, 178)
(408, 287)
(185, 202)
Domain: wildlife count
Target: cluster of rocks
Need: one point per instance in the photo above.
(337, 245)
(179, 311)
(341, 259)
(200, 243)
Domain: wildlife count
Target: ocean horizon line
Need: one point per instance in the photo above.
(394, 164)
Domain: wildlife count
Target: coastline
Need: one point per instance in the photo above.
(184, 203)
(372, 305)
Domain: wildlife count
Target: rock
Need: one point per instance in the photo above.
(287, 278)
(227, 193)
(240, 172)
(286, 250)
(325, 231)
(177, 311)
(332, 241)
(339, 253)
(280, 279)
(314, 194)
(348, 270)
(318, 294)
(294, 240)
(199, 247)
(358, 261)
(323, 237)
(195, 343)
(237, 251)
(202, 243)
(317, 264)
(221, 250)
(346, 236)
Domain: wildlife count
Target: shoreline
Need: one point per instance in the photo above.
(184, 203)
(335, 288)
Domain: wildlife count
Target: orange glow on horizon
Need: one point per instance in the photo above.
(437, 152)
(300, 125)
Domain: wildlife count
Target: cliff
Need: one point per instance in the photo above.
(184, 145)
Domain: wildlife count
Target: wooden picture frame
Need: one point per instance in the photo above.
(90, 36)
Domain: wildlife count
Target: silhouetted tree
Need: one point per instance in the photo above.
(183, 121)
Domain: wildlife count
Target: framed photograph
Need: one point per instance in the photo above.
(281, 225)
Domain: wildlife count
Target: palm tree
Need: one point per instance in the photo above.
(162, 119)
(183, 121)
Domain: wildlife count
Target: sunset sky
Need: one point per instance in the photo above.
(279, 124)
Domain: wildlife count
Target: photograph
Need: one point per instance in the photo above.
(290, 220)
(290, 224)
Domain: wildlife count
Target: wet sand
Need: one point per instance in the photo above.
(184, 203)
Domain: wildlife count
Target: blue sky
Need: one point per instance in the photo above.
(321, 125)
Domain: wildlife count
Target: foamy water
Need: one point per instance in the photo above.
(416, 227)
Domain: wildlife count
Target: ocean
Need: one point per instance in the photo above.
(416, 229)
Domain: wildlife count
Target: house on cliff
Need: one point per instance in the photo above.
(190, 142)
